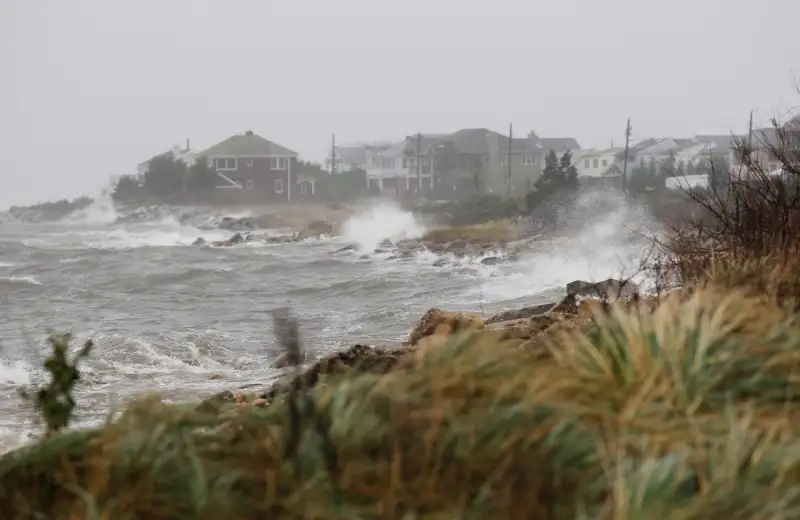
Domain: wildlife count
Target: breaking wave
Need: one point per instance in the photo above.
(386, 221)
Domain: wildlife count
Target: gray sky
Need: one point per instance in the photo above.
(93, 87)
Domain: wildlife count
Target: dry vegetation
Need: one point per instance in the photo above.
(494, 232)
(683, 411)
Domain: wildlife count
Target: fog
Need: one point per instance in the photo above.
(90, 88)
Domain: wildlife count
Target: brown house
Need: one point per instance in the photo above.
(254, 169)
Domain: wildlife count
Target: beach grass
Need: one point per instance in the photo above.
(685, 412)
(493, 232)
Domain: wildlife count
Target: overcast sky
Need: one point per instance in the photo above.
(90, 88)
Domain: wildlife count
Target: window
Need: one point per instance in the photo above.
(277, 163)
(278, 185)
(249, 184)
(586, 163)
(306, 188)
(595, 163)
(528, 159)
(249, 163)
(225, 163)
(605, 163)
(503, 159)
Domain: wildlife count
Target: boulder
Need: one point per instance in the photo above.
(610, 288)
(351, 247)
(527, 328)
(436, 322)
(237, 224)
(517, 314)
(200, 241)
(385, 246)
(317, 228)
(440, 263)
(235, 239)
(491, 260)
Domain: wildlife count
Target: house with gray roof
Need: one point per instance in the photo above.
(259, 167)
(463, 160)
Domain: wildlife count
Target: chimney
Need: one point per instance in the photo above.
(188, 147)
(248, 133)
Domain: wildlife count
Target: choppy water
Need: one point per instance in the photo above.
(165, 316)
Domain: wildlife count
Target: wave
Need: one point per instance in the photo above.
(386, 221)
(14, 373)
(100, 211)
(600, 245)
(18, 280)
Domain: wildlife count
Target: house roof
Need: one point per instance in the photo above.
(559, 144)
(394, 151)
(247, 145)
(588, 154)
(472, 140)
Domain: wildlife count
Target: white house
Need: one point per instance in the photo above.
(594, 162)
(353, 156)
(395, 167)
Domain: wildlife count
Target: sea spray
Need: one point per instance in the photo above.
(386, 221)
(604, 238)
(100, 211)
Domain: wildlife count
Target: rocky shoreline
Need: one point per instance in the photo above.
(517, 328)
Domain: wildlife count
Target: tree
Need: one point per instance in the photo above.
(126, 188)
(165, 176)
(557, 176)
(201, 178)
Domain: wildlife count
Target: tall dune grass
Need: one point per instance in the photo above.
(686, 412)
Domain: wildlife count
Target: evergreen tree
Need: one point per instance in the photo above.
(569, 172)
(165, 176)
(201, 178)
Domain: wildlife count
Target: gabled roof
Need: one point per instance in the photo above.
(559, 144)
(246, 145)
(472, 140)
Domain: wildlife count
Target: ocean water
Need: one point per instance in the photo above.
(165, 316)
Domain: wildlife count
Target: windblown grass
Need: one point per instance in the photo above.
(683, 413)
(488, 233)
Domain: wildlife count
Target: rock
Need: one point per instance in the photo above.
(351, 247)
(491, 260)
(527, 328)
(359, 358)
(281, 239)
(437, 322)
(440, 263)
(237, 224)
(569, 305)
(287, 359)
(610, 288)
(217, 376)
(199, 242)
(386, 244)
(235, 239)
(517, 314)
(317, 228)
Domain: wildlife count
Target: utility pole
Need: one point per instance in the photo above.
(333, 153)
(508, 175)
(625, 158)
